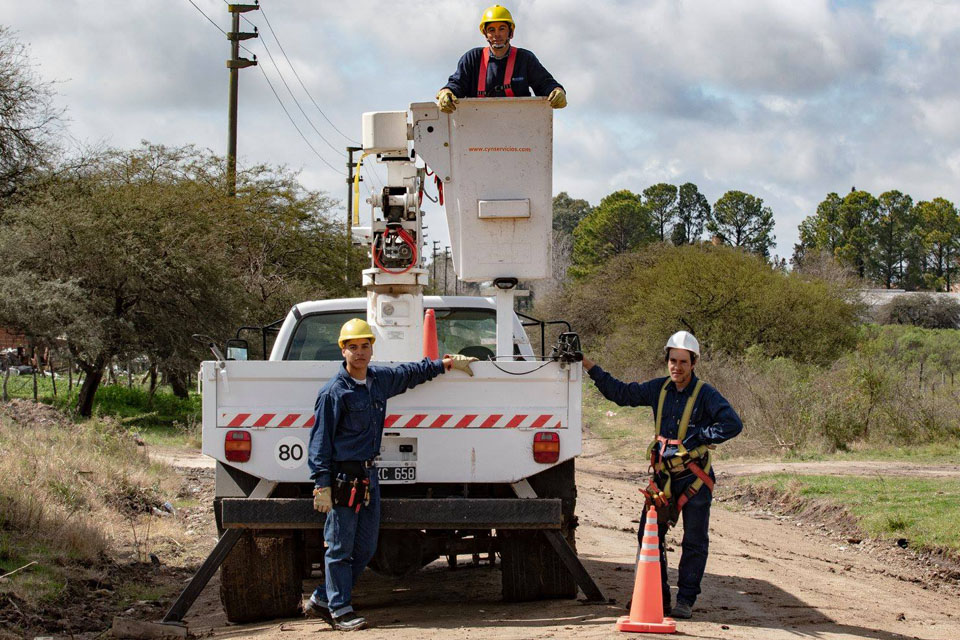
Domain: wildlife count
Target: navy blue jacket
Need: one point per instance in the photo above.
(528, 74)
(713, 419)
(348, 417)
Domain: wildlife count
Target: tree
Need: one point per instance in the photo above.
(939, 227)
(620, 223)
(858, 218)
(892, 234)
(28, 119)
(134, 252)
(740, 220)
(660, 200)
(568, 212)
(693, 212)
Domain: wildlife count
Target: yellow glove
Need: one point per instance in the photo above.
(558, 99)
(323, 499)
(447, 101)
(460, 362)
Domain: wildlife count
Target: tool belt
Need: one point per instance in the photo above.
(351, 484)
(696, 461)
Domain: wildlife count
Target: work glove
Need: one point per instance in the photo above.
(447, 101)
(461, 362)
(558, 98)
(323, 499)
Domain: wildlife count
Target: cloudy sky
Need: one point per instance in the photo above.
(785, 99)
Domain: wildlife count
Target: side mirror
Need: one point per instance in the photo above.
(237, 349)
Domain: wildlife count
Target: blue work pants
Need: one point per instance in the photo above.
(695, 544)
(351, 539)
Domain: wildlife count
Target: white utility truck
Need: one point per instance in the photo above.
(480, 466)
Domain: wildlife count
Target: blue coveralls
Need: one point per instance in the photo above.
(528, 74)
(713, 421)
(348, 426)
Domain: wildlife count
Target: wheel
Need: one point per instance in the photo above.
(531, 569)
(261, 578)
(400, 552)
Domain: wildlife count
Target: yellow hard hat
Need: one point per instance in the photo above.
(496, 13)
(355, 329)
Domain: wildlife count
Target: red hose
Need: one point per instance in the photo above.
(409, 242)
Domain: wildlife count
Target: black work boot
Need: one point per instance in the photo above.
(314, 610)
(349, 622)
(683, 610)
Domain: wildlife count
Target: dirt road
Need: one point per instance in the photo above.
(768, 577)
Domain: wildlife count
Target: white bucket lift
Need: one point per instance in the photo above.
(494, 157)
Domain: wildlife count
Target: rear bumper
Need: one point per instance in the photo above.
(400, 513)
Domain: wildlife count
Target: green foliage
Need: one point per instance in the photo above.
(892, 233)
(693, 212)
(939, 226)
(620, 223)
(731, 300)
(131, 252)
(568, 212)
(661, 200)
(740, 220)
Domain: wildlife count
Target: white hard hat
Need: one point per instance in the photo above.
(683, 340)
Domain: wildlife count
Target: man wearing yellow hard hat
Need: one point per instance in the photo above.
(348, 424)
(499, 69)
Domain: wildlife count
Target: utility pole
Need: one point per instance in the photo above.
(234, 64)
(436, 249)
(446, 258)
(350, 177)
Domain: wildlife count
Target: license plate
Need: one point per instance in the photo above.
(397, 475)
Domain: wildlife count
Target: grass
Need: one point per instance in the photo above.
(627, 431)
(164, 420)
(925, 511)
(70, 496)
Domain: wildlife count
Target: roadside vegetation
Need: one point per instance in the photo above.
(83, 521)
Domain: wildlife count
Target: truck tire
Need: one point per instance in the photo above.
(261, 579)
(531, 569)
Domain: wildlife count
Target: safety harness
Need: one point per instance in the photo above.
(696, 461)
(507, 76)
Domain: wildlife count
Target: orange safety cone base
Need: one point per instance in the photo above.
(668, 625)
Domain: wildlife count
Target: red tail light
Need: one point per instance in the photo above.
(546, 447)
(237, 446)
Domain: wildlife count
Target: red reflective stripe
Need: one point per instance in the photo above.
(539, 422)
(508, 75)
(390, 420)
(239, 420)
(515, 421)
(482, 78)
(465, 421)
(289, 420)
(313, 418)
(489, 422)
(264, 420)
(440, 421)
(415, 421)
(558, 425)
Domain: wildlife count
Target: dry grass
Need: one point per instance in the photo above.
(69, 493)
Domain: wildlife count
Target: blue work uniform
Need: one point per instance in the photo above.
(528, 74)
(348, 426)
(713, 421)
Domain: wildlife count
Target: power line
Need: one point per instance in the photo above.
(297, 76)
(294, 98)
(293, 122)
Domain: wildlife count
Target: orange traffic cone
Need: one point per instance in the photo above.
(646, 608)
(430, 348)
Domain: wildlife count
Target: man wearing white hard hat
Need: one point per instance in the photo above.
(690, 418)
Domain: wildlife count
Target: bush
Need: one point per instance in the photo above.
(930, 311)
(729, 299)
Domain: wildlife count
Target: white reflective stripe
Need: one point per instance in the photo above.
(654, 547)
(649, 559)
(285, 418)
